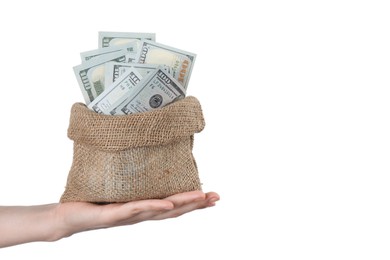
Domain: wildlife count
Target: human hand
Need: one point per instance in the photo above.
(74, 217)
(23, 224)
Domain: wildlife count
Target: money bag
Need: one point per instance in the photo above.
(133, 157)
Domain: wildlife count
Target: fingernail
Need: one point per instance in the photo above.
(213, 200)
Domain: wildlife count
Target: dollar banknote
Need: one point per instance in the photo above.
(116, 92)
(107, 39)
(155, 91)
(180, 62)
(130, 57)
(129, 47)
(114, 70)
(90, 75)
(131, 73)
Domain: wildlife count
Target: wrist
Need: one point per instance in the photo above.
(60, 227)
(54, 228)
(68, 219)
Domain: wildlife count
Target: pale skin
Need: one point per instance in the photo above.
(51, 222)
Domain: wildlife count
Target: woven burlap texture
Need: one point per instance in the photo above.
(133, 157)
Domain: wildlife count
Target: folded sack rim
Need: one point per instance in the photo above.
(156, 127)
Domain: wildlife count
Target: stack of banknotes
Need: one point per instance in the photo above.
(132, 73)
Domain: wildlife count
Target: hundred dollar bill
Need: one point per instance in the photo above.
(90, 75)
(179, 62)
(130, 48)
(156, 91)
(107, 100)
(107, 39)
(114, 70)
(130, 57)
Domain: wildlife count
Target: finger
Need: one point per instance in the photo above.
(115, 214)
(186, 197)
(212, 197)
(184, 203)
(208, 201)
(145, 216)
(173, 206)
(146, 205)
(181, 210)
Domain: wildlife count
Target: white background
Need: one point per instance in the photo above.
(297, 138)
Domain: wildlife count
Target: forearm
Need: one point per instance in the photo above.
(22, 224)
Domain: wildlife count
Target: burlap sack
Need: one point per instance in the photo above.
(133, 157)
